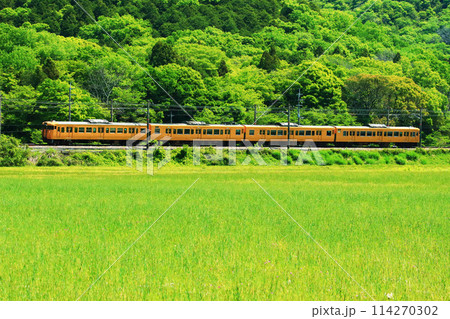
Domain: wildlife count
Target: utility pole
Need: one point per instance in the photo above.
(420, 133)
(388, 115)
(112, 112)
(0, 113)
(148, 123)
(70, 102)
(289, 126)
(299, 104)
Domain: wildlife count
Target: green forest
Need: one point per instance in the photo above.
(353, 62)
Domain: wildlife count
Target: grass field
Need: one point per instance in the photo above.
(225, 239)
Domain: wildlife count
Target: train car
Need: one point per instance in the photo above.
(377, 134)
(192, 131)
(55, 132)
(298, 134)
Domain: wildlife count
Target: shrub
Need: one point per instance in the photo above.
(50, 158)
(412, 156)
(399, 160)
(357, 160)
(12, 153)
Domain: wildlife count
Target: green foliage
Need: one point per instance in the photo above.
(49, 68)
(51, 157)
(162, 54)
(222, 70)
(269, 60)
(12, 153)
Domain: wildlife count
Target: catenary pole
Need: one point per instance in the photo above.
(70, 102)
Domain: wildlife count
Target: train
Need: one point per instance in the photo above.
(103, 131)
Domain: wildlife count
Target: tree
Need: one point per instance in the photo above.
(162, 54)
(223, 68)
(269, 60)
(397, 57)
(50, 69)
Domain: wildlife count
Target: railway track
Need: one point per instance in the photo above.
(84, 148)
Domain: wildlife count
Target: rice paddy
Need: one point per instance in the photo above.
(225, 238)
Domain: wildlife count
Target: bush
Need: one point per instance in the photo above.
(412, 156)
(12, 153)
(357, 160)
(399, 160)
(50, 158)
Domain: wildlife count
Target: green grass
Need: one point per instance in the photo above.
(60, 228)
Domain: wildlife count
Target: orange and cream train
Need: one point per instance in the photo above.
(55, 132)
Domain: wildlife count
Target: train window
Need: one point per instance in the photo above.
(112, 130)
(69, 129)
(273, 132)
(301, 133)
(396, 134)
(292, 132)
(401, 134)
(125, 130)
(180, 131)
(379, 133)
(227, 131)
(389, 133)
(187, 131)
(59, 129)
(94, 130)
(192, 131)
(238, 132)
(357, 133)
(81, 130)
(261, 132)
(142, 130)
(216, 132)
(308, 133)
(107, 130)
(406, 133)
(318, 133)
(280, 132)
(120, 130)
(345, 133)
(62, 129)
(197, 131)
(328, 133)
(167, 130)
(221, 132)
(369, 133)
(413, 134)
(209, 132)
(363, 133)
(252, 132)
(88, 129)
(101, 129)
(157, 130)
(76, 130)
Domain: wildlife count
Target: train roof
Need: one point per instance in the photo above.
(94, 123)
(376, 127)
(292, 127)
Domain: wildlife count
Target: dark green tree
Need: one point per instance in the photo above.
(397, 57)
(223, 68)
(162, 54)
(269, 60)
(50, 69)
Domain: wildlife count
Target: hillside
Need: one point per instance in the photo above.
(225, 59)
